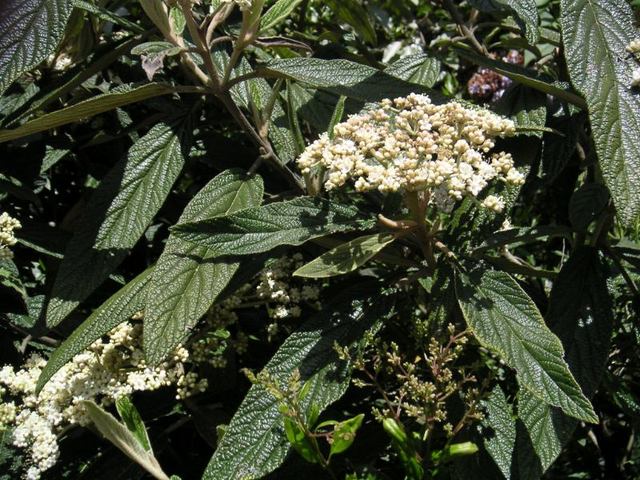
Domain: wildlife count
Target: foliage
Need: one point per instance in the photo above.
(363, 239)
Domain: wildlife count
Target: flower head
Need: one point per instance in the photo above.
(410, 144)
(7, 238)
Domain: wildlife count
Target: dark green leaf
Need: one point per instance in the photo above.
(505, 320)
(258, 230)
(595, 35)
(586, 204)
(499, 430)
(29, 33)
(353, 13)
(117, 216)
(187, 280)
(255, 443)
(108, 15)
(346, 257)
(523, 235)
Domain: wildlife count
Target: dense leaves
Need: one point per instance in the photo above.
(596, 34)
(227, 253)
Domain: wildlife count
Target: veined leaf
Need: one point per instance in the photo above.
(278, 12)
(342, 77)
(505, 320)
(421, 69)
(118, 309)
(118, 434)
(526, 12)
(541, 432)
(118, 214)
(187, 280)
(254, 443)
(595, 34)
(29, 32)
(87, 108)
(580, 314)
(500, 424)
(258, 230)
(345, 258)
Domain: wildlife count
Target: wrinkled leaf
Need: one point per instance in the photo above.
(29, 32)
(118, 214)
(187, 279)
(499, 430)
(258, 230)
(342, 77)
(505, 320)
(595, 35)
(421, 69)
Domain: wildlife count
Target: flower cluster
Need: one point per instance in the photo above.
(7, 238)
(282, 296)
(410, 144)
(109, 369)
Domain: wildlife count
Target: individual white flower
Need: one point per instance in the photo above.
(635, 78)
(634, 46)
(409, 144)
(494, 203)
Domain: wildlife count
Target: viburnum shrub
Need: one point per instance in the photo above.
(355, 239)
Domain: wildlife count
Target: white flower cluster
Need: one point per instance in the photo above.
(7, 238)
(411, 144)
(243, 4)
(107, 370)
(282, 296)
